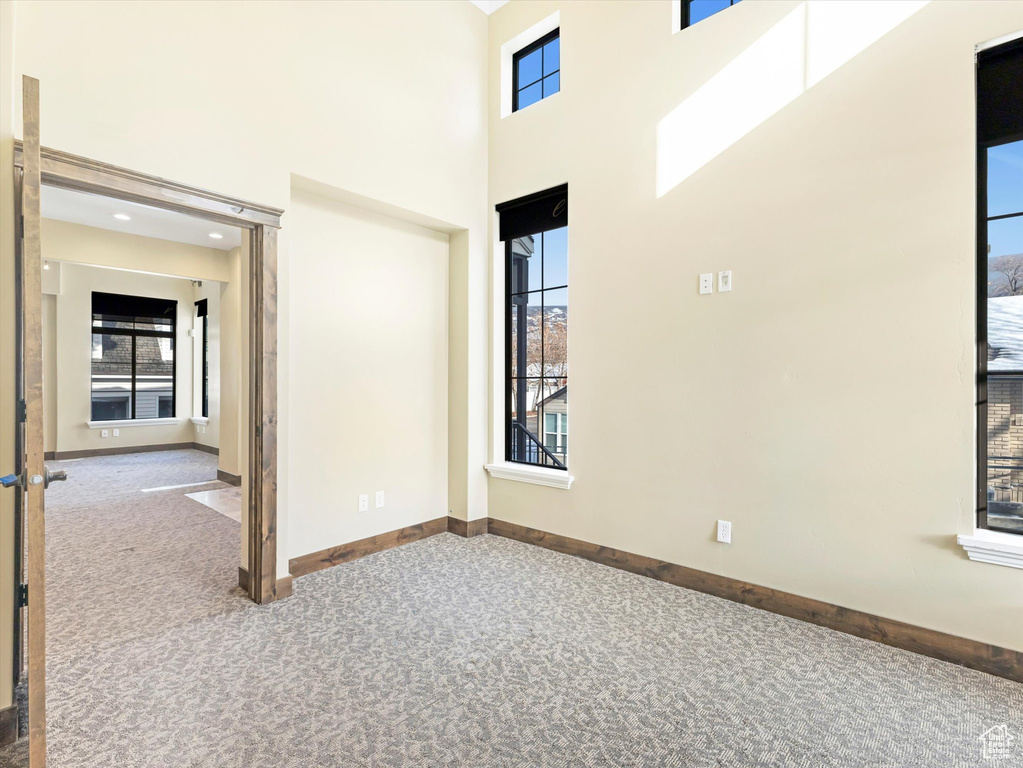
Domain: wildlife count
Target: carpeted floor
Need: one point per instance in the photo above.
(454, 652)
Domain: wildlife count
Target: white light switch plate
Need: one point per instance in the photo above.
(364, 502)
(117, 433)
(724, 281)
(707, 282)
(104, 433)
(380, 499)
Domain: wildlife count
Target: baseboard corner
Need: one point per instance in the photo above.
(227, 477)
(468, 528)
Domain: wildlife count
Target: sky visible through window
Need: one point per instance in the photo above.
(701, 9)
(1005, 196)
(1005, 259)
(538, 74)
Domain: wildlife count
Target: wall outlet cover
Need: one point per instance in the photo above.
(707, 283)
(724, 532)
(380, 499)
(104, 433)
(117, 433)
(364, 502)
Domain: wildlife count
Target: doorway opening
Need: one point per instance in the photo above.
(37, 168)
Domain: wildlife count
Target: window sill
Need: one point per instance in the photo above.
(202, 421)
(131, 423)
(523, 473)
(994, 547)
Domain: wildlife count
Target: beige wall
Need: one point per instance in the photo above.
(825, 405)
(107, 248)
(409, 129)
(369, 348)
(74, 345)
(233, 362)
(122, 256)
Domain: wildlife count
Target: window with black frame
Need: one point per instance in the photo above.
(534, 230)
(133, 361)
(1000, 287)
(698, 10)
(202, 313)
(536, 71)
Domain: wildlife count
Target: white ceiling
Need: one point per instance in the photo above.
(97, 211)
(488, 6)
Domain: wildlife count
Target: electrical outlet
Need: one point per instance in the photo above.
(725, 281)
(117, 433)
(364, 502)
(707, 282)
(380, 499)
(104, 433)
(724, 532)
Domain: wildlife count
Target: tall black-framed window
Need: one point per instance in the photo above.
(536, 71)
(1000, 287)
(133, 357)
(698, 10)
(534, 230)
(202, 312)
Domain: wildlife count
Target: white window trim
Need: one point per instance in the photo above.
(524, 473)
(132, 423)
(516, 44)
(993, 547)
(202, 421)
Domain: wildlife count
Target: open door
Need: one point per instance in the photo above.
(34, 476)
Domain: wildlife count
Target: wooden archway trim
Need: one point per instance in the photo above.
(61, 169)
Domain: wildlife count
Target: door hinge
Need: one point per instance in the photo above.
(22, 595)
(22, 411)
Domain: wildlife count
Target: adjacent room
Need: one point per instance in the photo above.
(288, 473)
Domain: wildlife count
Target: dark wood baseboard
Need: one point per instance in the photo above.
(8, 725)
(991, 659)
(227, 477)
(467, 529)
(284, 586)
(1001, 662)
(343, 553)
(119, 450)
(124, 449)
(48, 455)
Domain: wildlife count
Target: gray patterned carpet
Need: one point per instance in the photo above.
(453, 652)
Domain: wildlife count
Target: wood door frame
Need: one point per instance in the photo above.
(67, 171)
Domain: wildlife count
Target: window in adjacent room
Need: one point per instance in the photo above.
(536, 71)
(201, 311)
(535, 234)
(698, 10)
(132, 357)
(1000, 287)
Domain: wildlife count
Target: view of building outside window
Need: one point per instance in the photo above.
(1005, 337)
(538, 349)
(132, 360)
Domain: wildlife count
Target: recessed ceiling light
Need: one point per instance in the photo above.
(122, 216)
(216, 235)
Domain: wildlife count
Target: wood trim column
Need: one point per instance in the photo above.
(263, 416)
